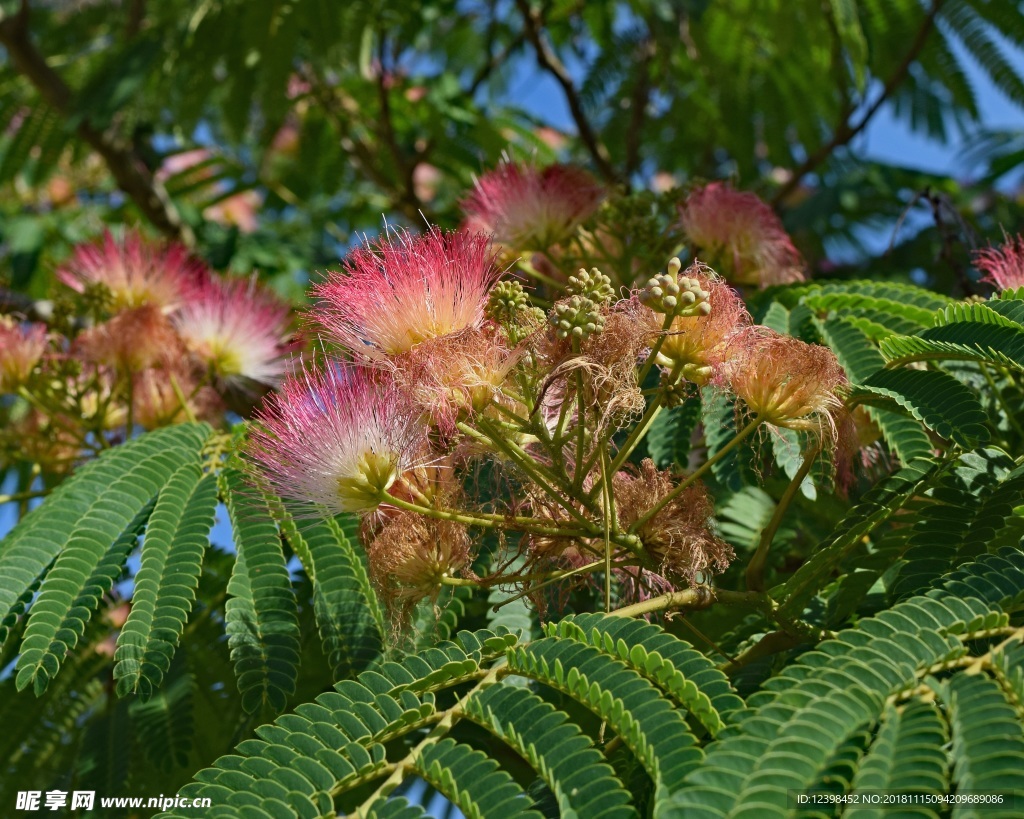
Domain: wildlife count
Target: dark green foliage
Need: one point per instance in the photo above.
(261, 618)
(348, 615)
(102, 516)
(172, 557)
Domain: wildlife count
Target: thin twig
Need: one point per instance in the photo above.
(847, 131)
(755, 569)
(550, 62)
(121, 156)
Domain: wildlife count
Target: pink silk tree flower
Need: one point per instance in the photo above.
(336, 440)
(529, 208)
(135, 271)
(1003, 266)
(237, 329)
(401, 291)
(21, 347)
(742, 236)
(787, 382)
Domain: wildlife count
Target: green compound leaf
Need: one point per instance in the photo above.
(935, 398)
(669, 439)
(111, 516)
(262, 617)
(673, 665)
(348, 613)
(987, 739)
(582, 782)
(631, 705)
(1001, 345)
(41, 535)
(472, 781)
(907, 755)
(861, 359)
(165, 587)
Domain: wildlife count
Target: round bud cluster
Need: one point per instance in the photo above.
(593, 284)
(506, 299)
(673, 295)
(577, 316)
(674, 392)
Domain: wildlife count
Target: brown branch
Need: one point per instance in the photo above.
(550, 62)
(363, 159)
(404, 169)
(638, 106)
(847, 131)
(122, 157)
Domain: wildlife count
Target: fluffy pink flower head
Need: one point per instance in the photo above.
(1003, 266)
(787, 382)
(531, 208)
(335, 440)
(742, 236)
(400, 292)
(238, 329)
(21, 347)
(136, 272)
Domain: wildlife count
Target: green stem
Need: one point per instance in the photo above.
(181, 398)
(447, 580)
(440, 730)
(577, 481)
(554, 578)
(652, 357)
(640, 430)
(22, 496)
(755, 569)
(129, 424)
(526, 463)
(532, 525)
(534, 273)
(1011, 416)
(608, 500)
(699, 597)
(710, 462)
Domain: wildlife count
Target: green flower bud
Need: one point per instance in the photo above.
(505, 301)
(577, 317)
(593, 284)
(673, 295)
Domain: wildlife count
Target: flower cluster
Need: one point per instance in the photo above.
(529, 209)
(143, 335)
(460, 389)
(442, 367)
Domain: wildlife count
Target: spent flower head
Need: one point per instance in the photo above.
(132, 340)
(1003, 266)
(742, 235)
(238, 330)
(404, 290)
(335, 440)
(136, 272)
(530, 208)
(457, 376)
(21, 347)
(412, 556)
(679, 535)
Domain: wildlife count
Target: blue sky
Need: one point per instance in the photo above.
(885, 139)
